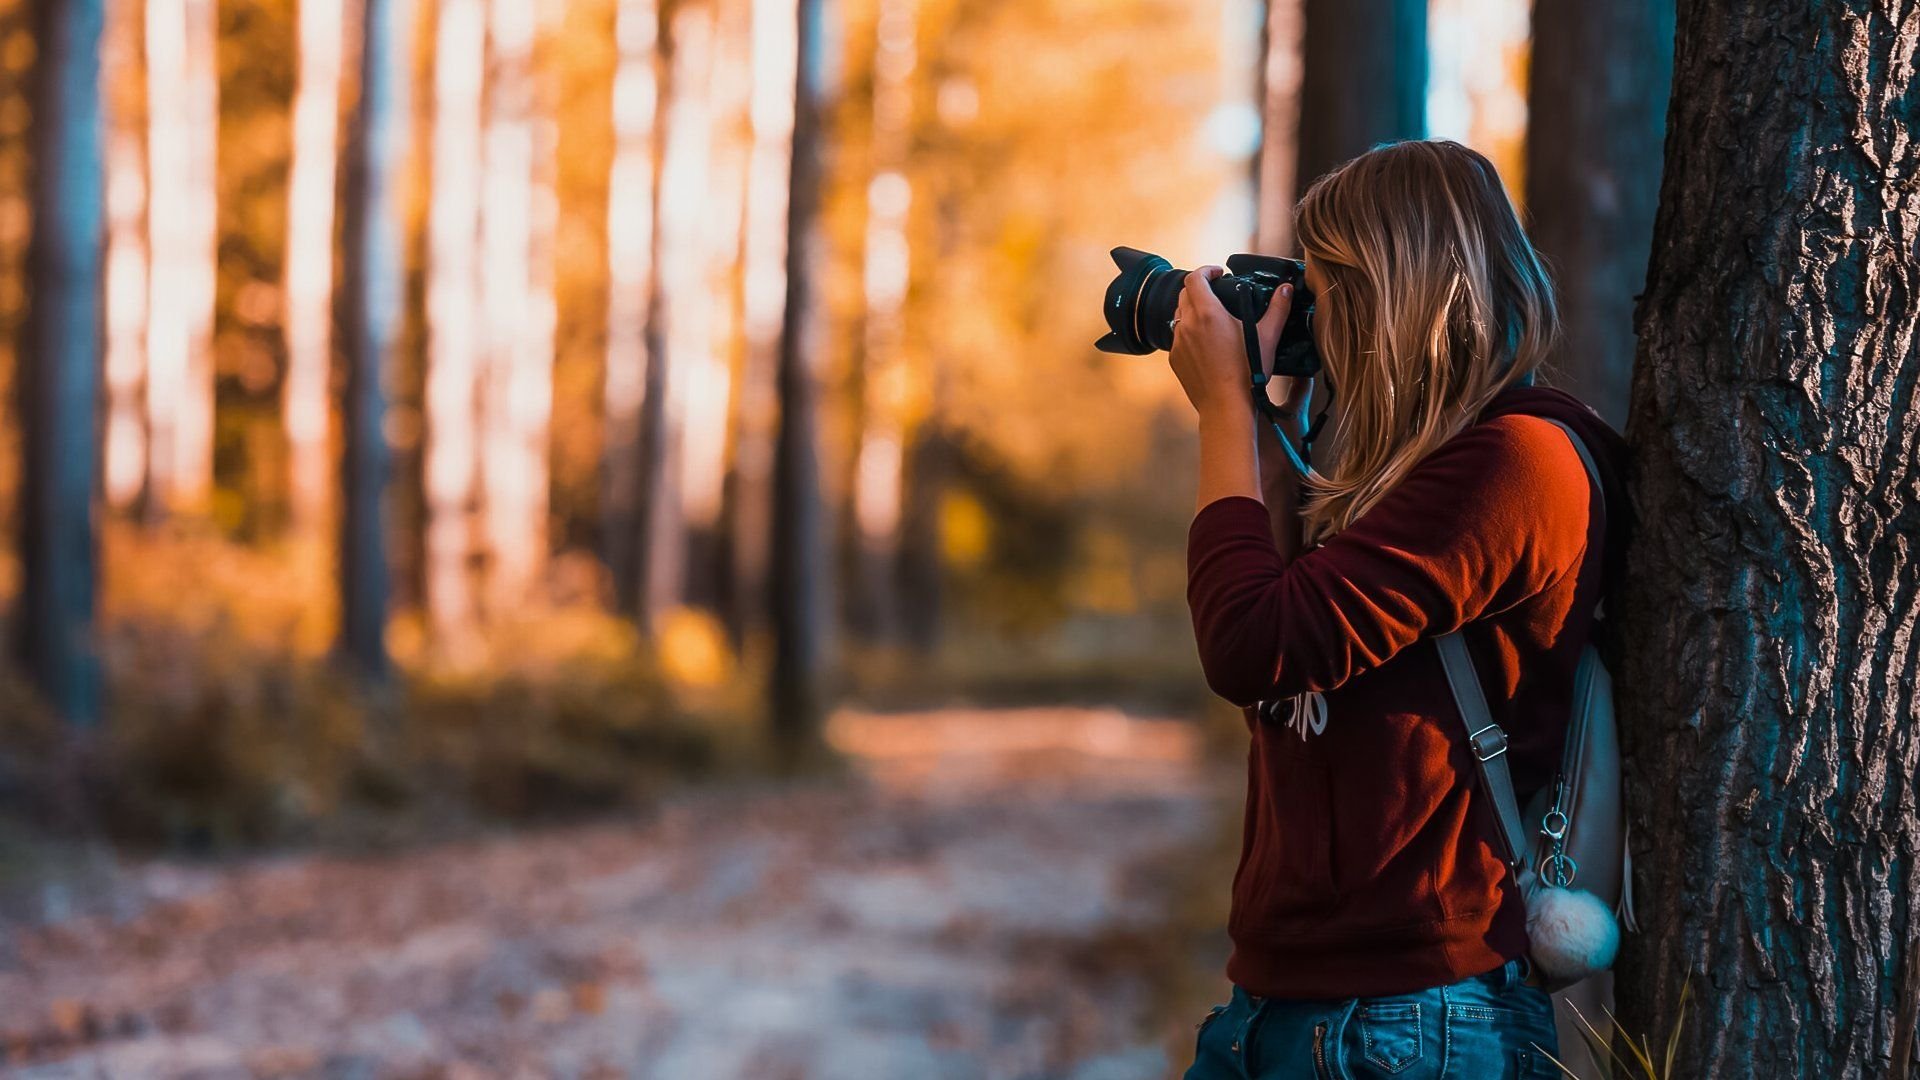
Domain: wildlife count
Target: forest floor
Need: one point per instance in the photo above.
(983, 894)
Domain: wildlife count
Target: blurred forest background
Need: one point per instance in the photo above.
(434, 419)
(579, 341)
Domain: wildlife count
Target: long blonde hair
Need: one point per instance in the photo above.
(1434, 301)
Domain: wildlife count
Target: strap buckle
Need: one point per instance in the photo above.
(1486, 746)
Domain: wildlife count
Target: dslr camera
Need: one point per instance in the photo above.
(1142, 298)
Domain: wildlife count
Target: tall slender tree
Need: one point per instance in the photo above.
(451, 468)
(516, 309)
(125, 440)
(634, 375)
(1772, 594)
(1278, 99)
(1363, 79)
(60, 364)
(182, 146)
(308, 271)
(879, 461)
(763, 271)
(1597, 108)
(800, 568)
(371, 297)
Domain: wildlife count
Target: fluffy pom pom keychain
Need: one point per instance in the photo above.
(1571, 933)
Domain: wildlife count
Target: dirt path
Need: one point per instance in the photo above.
(940, 916)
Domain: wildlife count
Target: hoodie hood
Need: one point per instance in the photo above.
(1608, 448)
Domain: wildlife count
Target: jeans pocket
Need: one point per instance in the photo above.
(1390, 1035)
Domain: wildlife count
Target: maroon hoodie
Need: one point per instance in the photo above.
(1368, 865)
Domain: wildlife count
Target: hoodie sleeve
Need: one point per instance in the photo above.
(1494, 516)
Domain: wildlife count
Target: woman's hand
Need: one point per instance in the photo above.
(1209, 354)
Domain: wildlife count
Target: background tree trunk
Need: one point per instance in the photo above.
(1768, 696)
(633, 366)
(517, 312)
(1278, 98)
(306, 393)
(763, 309)
(800, 569)
(879, 460)
(182, 147)
(1364, 79)
(124, 93)
(372, 295)
(1597, 107)
(60, 364)
(451, 468)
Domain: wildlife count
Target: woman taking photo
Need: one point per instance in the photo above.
(1374, 929)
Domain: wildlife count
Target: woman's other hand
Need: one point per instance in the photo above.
(1209, 354)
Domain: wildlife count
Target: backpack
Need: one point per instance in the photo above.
(1566, 851)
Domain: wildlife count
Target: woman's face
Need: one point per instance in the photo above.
(1316, 278)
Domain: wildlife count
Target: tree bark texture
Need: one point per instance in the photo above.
(1768, 690)
(60, 369)
(1597, 108)
(1363, 80)
(373, 292)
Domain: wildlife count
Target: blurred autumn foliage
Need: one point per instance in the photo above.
(999, 497)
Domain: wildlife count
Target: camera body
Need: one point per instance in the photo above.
(1142, 298)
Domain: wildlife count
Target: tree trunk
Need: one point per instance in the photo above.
(451, 468)
(125, 446)
(764, 268)
(373, 289)
(60, 365)
(880, 459)
(306, 391)
(1364, 79)
(1279, 101)
(182, 146)
(1597, 107)
(799, 567)
(685, 303)
(632, 388)
(516, 298)
(1768, 695)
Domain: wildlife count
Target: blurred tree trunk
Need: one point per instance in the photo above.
(1363, 79)
(451, 468)
(800, 569)
(124, 90)
(306, 391)
(373, 287)
(517, 313)
(60, 364)
(713, 368)
(183, 113)
(879, 461)
(1768, 690)
(1279, 102)
(634, 379)
(763, 248)
(1597, 109)
(685, 302)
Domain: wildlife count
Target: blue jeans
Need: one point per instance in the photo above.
(1488, 1027)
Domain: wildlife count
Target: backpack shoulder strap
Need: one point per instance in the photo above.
(1485, 739)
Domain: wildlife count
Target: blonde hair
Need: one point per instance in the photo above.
(1434, 301)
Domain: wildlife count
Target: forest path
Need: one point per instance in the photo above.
(958, 907)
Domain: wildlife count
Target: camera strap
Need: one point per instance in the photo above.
(1302, 456)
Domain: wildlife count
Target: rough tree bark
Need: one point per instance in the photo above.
(60, 364)
(1363, 81)
(372, 295)
(1597, 107)
(1773, 592)
(799, 564)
